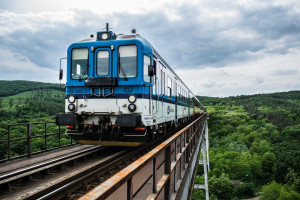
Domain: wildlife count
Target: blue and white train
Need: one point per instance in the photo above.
(121, 92)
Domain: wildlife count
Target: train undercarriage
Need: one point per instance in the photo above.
(113, 135)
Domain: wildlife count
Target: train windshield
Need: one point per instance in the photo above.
(102, 63)
(127, 61)
(79, 63)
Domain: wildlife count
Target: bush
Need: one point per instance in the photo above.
(245, 189)
(222, 187)
(277, 191)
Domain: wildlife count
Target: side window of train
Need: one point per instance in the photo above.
(169, 90)
(173, 90)
(127, 61)
(164, 83)
(179, 92)
(161, 78)
(155, 67)
(147, 62)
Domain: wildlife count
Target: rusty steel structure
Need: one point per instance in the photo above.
(171, 174)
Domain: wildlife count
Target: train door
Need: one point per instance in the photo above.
(103, 62)
(103, 58)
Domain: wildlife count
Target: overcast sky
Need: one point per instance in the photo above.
(219, 48)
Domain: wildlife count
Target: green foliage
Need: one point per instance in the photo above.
(198, 194)
(261, 146)
(10, 88)
(33, 105)
(255, 140)
(277, 191)
(245, 189)
(25, 102)
(268, 162)
(222, 187)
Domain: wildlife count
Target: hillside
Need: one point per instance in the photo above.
(9, 88)
(27, 101)
(254, 146)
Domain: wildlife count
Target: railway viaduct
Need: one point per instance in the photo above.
(164, 169)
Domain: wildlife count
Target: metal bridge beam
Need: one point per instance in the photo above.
(169, 169)
(205, 145)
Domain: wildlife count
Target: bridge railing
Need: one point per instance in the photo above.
(170, 162)
(27, 139)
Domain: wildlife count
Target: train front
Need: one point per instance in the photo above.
(108, 89)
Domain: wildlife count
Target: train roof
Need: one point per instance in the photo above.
(149, 48)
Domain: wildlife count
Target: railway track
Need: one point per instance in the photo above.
(52, 180)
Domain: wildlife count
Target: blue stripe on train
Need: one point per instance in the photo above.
(125, 96)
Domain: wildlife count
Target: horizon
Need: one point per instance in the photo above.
(194, 94)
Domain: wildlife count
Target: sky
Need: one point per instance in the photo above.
(219, 48)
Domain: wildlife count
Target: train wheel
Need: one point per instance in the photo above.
(164, 128)
(151, 132)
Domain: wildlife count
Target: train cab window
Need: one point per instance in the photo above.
(79, 63)
(127, 61)
(169, 90)
(147, 62)
(102, 63)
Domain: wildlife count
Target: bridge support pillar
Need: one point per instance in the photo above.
(205, 162)
(188, 179)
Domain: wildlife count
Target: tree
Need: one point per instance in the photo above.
(11, 100)
(222, 187)
(260, 147)
(277, 191)
(268, 166)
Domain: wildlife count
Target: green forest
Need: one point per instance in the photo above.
(28, 102)
(254, 147)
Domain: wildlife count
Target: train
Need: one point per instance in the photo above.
(121, 92)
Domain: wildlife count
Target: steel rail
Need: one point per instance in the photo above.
(26, 171)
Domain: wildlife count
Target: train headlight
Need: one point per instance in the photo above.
(71, 99)
(104, 36)
(131, 107)
(71, 107)
(131, 98)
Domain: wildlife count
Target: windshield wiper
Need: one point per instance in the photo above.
(85, 72)
(121, 68)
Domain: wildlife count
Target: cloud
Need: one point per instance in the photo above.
(259, 79)
(17, 67)
(235, 47)
(189, 35)
(251, 77)
(286, 72)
